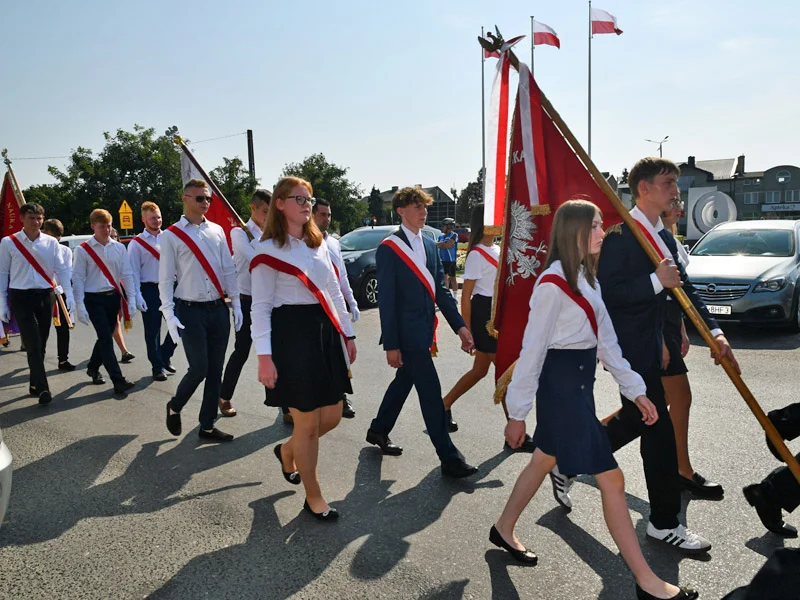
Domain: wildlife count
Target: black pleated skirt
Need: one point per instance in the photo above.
(673, 317)
(308, 355)
(481, 314)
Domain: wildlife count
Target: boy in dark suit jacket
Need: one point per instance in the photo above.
(410, 286)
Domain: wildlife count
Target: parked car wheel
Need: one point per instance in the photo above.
(794, 323)
(369, 291)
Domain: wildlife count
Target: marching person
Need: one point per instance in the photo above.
(119, 339)
(144, 253)
(448, 253)
(568, 330)
(196, 250)
(102, 277)
(322, 217)
(411, 285)
(55, 228)
(243, 252)
(480, 272)
(300, 321)
(28, 261)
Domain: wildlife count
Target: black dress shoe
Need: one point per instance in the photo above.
(294, 476)
(173, 422)
(684, 594)
(127, 357)
(384, 443)
(348, 412)
(168, 366)
(452, 426)
(769, 512)
(97, 379)
(215, 435)
(702, 487)
(66, 366)
(329, 515)
(458, 469)
(159, 376)
(122, 386)
(45, 397)
(526, 446)
(524, 556)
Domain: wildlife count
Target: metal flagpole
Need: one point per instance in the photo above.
(532, 43)
(589, 145)
(483, 119)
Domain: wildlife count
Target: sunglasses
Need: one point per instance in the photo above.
(301, 200)
(201, 198)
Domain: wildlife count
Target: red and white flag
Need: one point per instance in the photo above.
(506, 46)
(544, 35)
(10, 220)
(218, 211)
(604, 22)
(544, 173)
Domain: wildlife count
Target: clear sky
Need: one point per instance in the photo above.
(392, 90)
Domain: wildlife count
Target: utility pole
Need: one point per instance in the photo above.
(251, 159)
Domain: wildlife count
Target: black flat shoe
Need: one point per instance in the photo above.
(329, 515)
(684, 594)
(127, 357)
(170, 368)
(769, 512)
(123, 386)
(215, 435)
(95, 376)
(458, 469)
(294, 476)
(452, 426)
(173, 422)
(384, 443)
(524, 556)
(702, 487)
(159, 376)
(45, 397)
(66, 366)
(348, 412)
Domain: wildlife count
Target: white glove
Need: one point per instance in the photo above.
(238, 318)
(140, 302)
(82, 314)
(5, 312)
(58, 290)
(355, 314)
(173, 325)
(132, 308)
(70, 303)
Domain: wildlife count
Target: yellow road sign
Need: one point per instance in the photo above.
(125, 216)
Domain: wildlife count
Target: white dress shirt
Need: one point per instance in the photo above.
(243, 252)
(144, 264)
(336, 258)
(272, 288)
(194, 284)
(18, 274)
(480, 270)
(556, 321)
(637, 214)
(87, 276)
(417, 245)
(66, 257)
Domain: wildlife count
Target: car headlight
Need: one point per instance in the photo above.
(770, 285)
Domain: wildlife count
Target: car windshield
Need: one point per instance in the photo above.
(751, 242)
(363, 239)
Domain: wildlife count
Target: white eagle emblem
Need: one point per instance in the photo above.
(522, 257)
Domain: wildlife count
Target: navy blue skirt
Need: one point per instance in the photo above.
(566, 423)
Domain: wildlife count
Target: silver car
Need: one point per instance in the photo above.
(748, 271)
(5, 477)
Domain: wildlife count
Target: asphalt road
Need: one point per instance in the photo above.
(107, 504)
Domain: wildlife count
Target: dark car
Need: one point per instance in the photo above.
(358, 252)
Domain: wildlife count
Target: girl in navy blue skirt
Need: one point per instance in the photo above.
(568, 330)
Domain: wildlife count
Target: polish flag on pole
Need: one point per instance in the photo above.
(544, 35)
(604, 22)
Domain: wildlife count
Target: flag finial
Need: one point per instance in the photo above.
(6, 160)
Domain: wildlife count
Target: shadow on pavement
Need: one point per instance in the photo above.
(285, 558)
(752, 338)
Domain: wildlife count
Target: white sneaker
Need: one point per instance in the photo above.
(679, 538)
(561, 487)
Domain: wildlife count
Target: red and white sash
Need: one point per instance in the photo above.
(411, 260)
(101, 264)
(198, 254)
(487, 255)
(579, 300)
(660, 245)
(317, 288)
(154, 253)
(37, 266)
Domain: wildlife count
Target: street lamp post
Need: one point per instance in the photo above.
(660, 144)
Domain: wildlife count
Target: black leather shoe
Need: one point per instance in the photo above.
(458, 468)
(524, 556)
(526, 446)
(173, 422)
(329, 515)
(348, 412)
(95, 376)
(702, 487)
(45, 397)
(123, 386)
(294, 476)
(66, 366)
(159, 376)
(769, 512)
(215, 435)
(384, 443)
(452, 426)
(684, 594)
(127, 357)
(168, 366)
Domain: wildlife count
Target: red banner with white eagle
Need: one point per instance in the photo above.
(543, 173)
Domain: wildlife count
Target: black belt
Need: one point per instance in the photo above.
(31, 291)
(148, 283)
(246, 297)
(209, 304)
(108, 293)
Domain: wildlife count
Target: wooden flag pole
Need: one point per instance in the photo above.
(678, 293)
(179, 141)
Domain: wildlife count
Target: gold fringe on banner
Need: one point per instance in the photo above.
(128, 325)
(502, 384)
(494, 230)
(540, 209)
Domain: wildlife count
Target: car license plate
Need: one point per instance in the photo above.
(718, 310)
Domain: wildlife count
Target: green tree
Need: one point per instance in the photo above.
(330, 182)
(234, 181)
(376, 208)
(468, 198)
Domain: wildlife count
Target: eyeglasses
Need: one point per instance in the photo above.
(201, 198)
(301, 200)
